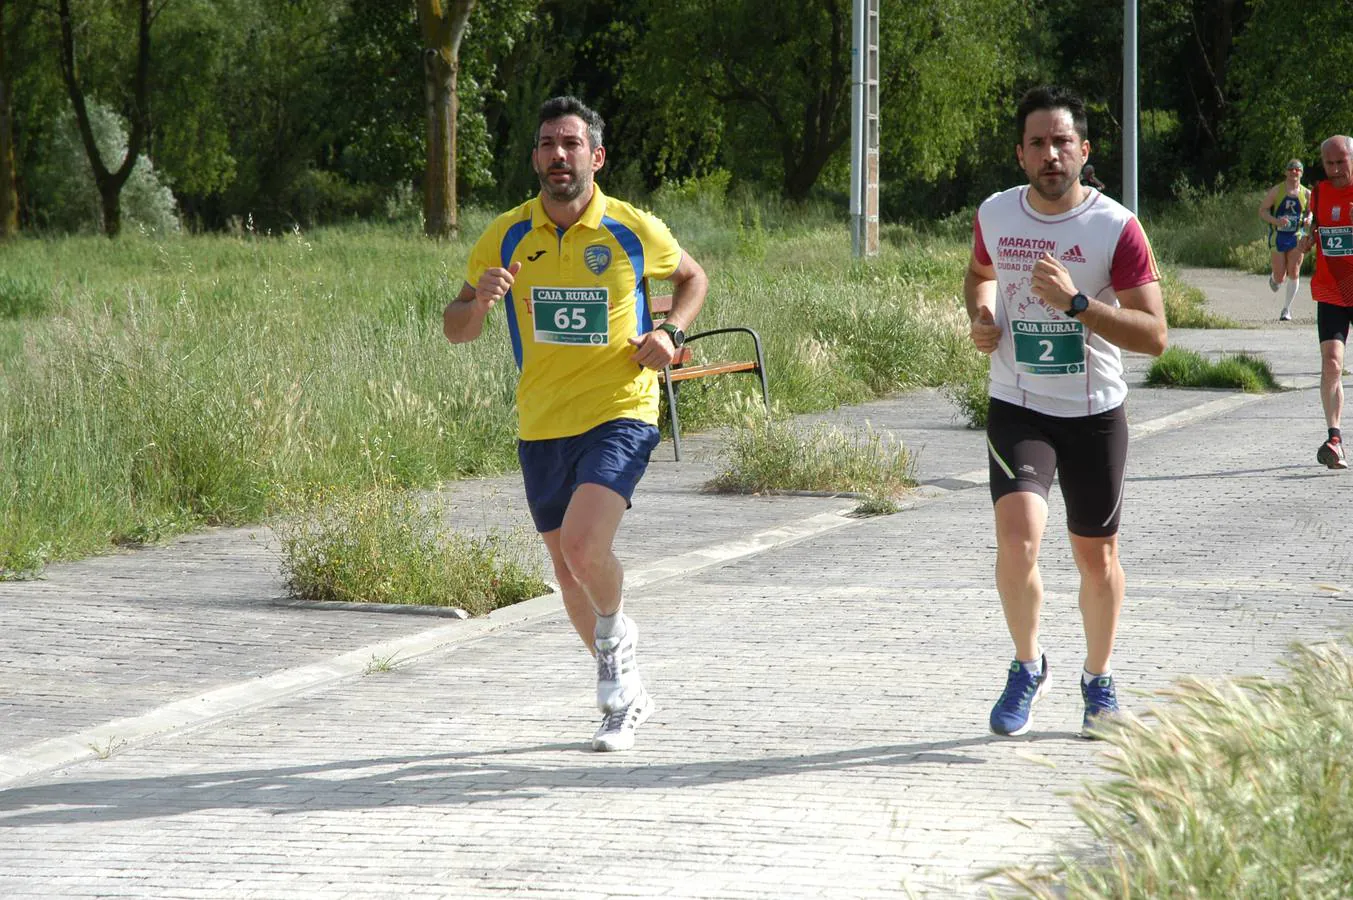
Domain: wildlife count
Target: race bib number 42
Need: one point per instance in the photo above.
(1049, 348)
(571, 315)
(1336, 241)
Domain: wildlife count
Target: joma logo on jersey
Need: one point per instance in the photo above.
(598, 258)
(1073, 255)
(1335, 211)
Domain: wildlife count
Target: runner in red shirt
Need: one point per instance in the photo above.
(1332, 287)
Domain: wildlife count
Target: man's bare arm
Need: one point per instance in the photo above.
(463, 318)
(1137, 324)
(979, 294)
(689, 286)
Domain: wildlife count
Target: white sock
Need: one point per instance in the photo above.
(612, 626)
(1033, 666)
(1087, 676)
(1292, 285)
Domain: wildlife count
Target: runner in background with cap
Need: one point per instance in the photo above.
(1287, 210)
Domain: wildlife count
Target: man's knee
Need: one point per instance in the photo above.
(563, 575)
(1097, 560)
(1020, 518)
(583, 551)
(1017, 546)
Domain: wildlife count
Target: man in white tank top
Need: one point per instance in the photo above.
(1061, 278)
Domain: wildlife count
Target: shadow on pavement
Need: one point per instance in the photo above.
(437, 779)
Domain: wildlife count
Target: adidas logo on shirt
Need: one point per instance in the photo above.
(1073, 255)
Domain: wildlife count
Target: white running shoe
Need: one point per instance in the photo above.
(1272, 285)
(1285, 316)
(618, 680)
(617, 728)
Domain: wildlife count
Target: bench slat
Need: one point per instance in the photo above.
(689, 372)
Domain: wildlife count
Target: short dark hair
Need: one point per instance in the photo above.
(1051, 97)
(558, 107)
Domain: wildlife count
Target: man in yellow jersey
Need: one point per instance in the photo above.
(570, 266)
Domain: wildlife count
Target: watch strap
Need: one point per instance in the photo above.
(678, 336)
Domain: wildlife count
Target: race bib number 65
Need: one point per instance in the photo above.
(571, 315)
(1336, 241)
(1049, 348)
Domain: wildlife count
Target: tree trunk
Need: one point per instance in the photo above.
(110, 196)
(442, 29)
(439, 178)
(110, 183)
(9, 181)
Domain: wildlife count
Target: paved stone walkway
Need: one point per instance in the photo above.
(172, 726)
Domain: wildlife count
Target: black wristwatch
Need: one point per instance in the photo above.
(676, 334)
(1079, 304)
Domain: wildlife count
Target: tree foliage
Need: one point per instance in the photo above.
(315, 110)
(1293, 84)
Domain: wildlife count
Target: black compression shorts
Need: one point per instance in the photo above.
(1088, 453)
(1332, 321)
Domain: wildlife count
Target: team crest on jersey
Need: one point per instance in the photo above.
(598, 258)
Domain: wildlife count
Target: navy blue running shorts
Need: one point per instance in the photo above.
(1282, 241)
(614, 455)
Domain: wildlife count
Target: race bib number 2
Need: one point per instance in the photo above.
(1049, 348)
(571, 315)
(1336, 241)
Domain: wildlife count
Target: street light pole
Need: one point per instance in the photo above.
(1130, 104)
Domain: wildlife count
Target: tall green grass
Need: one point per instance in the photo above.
(382, 545)
(187, 382)
(1238, 790)
(149, 386)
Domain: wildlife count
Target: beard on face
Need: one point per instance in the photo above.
(1056, 190)
(568, 191)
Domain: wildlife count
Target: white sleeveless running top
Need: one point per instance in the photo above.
(1047, 361)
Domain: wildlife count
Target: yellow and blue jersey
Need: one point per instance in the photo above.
(578, 299)
(1295, 209)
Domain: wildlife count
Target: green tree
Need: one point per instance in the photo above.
(769, 82)
(1293, 85)
(109, 181)
(190, 140)
(379, 129)
(443, 26)
(278, 112)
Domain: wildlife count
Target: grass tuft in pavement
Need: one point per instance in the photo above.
(1243, 789)
(766, 455)
(386, 545)
(1177, 367)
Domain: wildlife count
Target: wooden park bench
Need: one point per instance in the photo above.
(686, 368)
